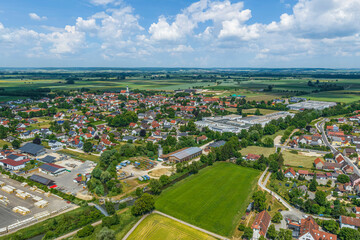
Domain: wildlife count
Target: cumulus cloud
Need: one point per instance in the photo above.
(223, 15)
(36, 17)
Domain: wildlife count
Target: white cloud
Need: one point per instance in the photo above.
(101, 2)
(67, 41)
(36, 17)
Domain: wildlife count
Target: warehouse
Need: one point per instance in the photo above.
(317, 105)
(182, 155)
(33, 149)
(52, 169)
(41, 180)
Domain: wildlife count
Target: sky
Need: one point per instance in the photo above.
(180, 33)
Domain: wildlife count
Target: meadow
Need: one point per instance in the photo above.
(214, 199)
(257, 150)
(156, 227)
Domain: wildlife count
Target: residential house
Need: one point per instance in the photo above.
(310, 230)
(349, 222)
(290, 173)
(261, 224)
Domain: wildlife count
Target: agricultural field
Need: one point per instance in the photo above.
(257, 150)
(218, 195)
(156, 227)
(300, 159)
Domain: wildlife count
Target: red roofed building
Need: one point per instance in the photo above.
(319, 163)
(309, 230)
(261, 224)
(290, 173)
(252, 157)
(349, 222)
(12, 164)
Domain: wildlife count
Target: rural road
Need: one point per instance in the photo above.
(175, 219)
(320, 128)
(291, 210)
(301, 149)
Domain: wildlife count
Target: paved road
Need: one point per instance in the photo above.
(134, 227)
(301, 149)
(320, 128)
(291, 210)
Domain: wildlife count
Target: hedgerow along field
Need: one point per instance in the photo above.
(214, 199)
(156, 227)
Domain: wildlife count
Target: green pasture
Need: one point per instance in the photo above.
(214, 199)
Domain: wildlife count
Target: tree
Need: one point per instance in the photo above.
(277, 218)
(343, 178)
(331, 226)
(144, 204)
(259, 198)
(142, 133)
(313, 184)
(87, 147)
(284, 234)
(138, 192)
(85, 231)
(164, 179)
(37, 140)
(349, 234)
(5, 146)
(257, 112)
(16, 144)
(248, 233)
(110, 208)
(106, 234)
(320, 198)
(105, 176)
(271, 233)
(155, 186)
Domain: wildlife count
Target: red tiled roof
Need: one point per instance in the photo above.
(262, 222)
(291, 170)
(350, 221)
(14, 163)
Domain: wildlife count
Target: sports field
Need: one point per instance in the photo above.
(156, 227)
(214, 199)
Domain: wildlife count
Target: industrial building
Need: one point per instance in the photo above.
(236, 123)
(317, 105)
(182, 155)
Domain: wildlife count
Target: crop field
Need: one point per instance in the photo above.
(156, 227)
(214, 199)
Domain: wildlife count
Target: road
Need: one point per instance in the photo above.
(301, 149)
(320, 128)
(291, 210)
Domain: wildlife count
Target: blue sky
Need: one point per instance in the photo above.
(180, 33)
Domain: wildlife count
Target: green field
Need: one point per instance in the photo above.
(156, 227)
(214, 199)
(257, 150)
(297, 160)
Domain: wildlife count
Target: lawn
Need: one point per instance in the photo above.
(297, 160)
(214, 199)
(257, 150)
(156, 227)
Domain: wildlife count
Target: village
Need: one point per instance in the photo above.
(105, 146)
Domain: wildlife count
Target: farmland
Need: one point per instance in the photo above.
(156, 227)
(219, 196)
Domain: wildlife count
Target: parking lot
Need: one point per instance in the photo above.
(8, 217)
(65, 181)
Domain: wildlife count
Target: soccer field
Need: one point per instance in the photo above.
(156, 227)
(214, 199)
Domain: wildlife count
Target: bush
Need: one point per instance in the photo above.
(85, 231)
(241, 227)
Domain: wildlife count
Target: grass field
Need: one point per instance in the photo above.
(257, 150)
(297, 160)
(214, 199)
(262, 111)
(156, 227)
